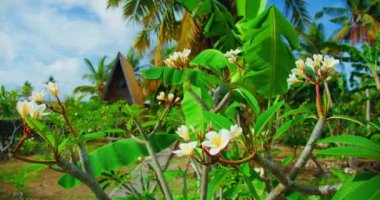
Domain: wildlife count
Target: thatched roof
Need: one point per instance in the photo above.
(122, 83)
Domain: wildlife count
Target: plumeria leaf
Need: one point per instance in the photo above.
(251, 100)
(42, 130)
(353, 140)
(264, 118)
(345, 117)
(218, 121)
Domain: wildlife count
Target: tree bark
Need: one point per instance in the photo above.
(87, 179)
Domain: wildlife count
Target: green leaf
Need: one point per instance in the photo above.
(43, 131)
(285, 127)
(211, 59)
(173, 76)
(216, 182)
(197, 7)
(286, 161)
(362, 183)
(264, 118)
(192, 110)
(344, 117)
(351, 151)
(220, 22)
(117, 154)
(266, 50)
(218, 121)
(294, 112)
(250, 8)
(353, 140)
(251, 100)
(376, 126)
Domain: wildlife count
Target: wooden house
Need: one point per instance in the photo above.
(122, 83)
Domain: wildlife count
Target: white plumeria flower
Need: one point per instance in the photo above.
(186, 149)
(235, 131)
(169, 62)
(161, 96)
(53, 88)
(232, 54)
(298, 72)
(310, 63)
(300, 64)
(317, 59)
(293, 79)
(37, 111)
(183, 132)
(178, 58)
(237, 51)
(23, 108)
(177, 100)
(170, 97)
(37, 96)
(186, 52)
(217, 141)
(329, 62)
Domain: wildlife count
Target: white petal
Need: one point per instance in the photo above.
(211, 135)
(214, 151)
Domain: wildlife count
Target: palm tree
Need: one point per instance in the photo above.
(51, 79)
(97, 76)
(360, 21)
(299, 16)
(161, 18)
(27, 89)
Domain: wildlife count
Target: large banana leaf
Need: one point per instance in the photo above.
(249, 9)
(266, 51)
(118, 154)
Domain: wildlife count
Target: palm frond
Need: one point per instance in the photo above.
(142, 41)
(299, 15)
(188, 32)
(336, 12)
(85, 89)
(340, 20)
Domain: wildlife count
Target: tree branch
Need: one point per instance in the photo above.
(288, 183)
(308, 149)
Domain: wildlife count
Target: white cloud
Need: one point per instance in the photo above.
(52, 37)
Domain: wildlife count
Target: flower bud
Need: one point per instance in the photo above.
(53, 88)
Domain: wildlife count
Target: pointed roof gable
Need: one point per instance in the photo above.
(122, 83)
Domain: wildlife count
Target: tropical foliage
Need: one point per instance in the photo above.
(226, 108)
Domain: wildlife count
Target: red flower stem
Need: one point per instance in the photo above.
(318, 100)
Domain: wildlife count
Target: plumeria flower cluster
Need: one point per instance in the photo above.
(313, 70)
(167, 99)
(215, 142)
(178, 60)
(232, 55)
(34, 107)
(31, 108)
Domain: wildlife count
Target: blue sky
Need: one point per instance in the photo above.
(52, 37)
